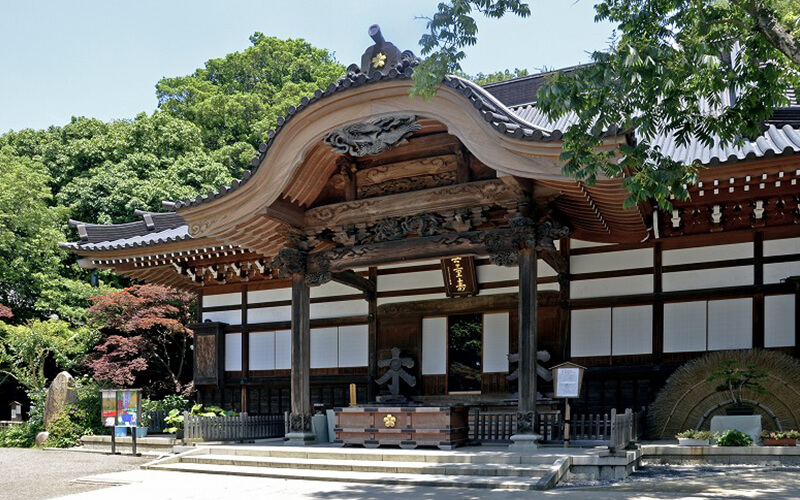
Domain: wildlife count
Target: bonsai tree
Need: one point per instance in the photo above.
(734, 379)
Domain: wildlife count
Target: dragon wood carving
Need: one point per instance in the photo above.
(374, 137)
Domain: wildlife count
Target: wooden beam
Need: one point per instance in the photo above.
(555, 260)
(431, 247)
(525, 435)
(350, 278)
(285, 212)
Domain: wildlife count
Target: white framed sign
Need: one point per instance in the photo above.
(567, 378)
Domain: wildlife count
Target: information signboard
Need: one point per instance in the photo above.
(121, 407)
(567, 379)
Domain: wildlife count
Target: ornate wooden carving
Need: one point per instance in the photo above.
(374, 137)
(460, 196)
(412, 175)
(503, 248)
(290, 261)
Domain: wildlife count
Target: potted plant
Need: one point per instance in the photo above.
(141, 429)
(734, 379)
(692, 437)
(780, 438)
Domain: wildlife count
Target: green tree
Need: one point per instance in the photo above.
(29, 233)
(668, 71)
(236, 99)
(26, 349)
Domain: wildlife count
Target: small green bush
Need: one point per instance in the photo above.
(733, 437)
(65, 430)
(19, 436)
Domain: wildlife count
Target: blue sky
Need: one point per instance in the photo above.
(102, 58)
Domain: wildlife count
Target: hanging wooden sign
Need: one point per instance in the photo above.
(460, 279)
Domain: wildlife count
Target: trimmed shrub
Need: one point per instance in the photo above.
(732, 437)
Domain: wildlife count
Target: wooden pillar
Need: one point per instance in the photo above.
(372, 339)
(525, 436)
(300, 419)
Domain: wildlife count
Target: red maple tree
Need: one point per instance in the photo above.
(5, 312)
(145, 339)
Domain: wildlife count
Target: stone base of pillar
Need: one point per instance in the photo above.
(524, 442)
(299, 439)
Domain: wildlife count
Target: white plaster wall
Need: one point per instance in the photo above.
(611, 261)
(774, 273)
(233, 317)
(707, 254)
(410, 263)
(730, 324)
(495, 342)
(434, 346)
(591, 332)
(339, 309)
(233, 352)
(274, 295)
(324, 347)
(779, 321)
(409, 281)
(332, 289)
(489, 273)
(222, 299)
(610, 287)
(632, 330)
(782, 247)
(262, 350)
(685, 327)
(269, 314)
(411, 298)
(283, 349)
(707, 278)
(353, 345)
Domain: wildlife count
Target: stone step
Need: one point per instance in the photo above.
(441, 480)
(388, 454)
(389, 467)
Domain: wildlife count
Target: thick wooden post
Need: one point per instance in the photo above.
(525, 436)
(372, 339)
(300, 418)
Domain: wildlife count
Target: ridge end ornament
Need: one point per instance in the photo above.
(373, 137)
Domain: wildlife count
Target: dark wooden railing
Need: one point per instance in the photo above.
(614, 430)
(238, 428)
(156, 424)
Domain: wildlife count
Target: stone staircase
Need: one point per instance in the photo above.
(476, 469)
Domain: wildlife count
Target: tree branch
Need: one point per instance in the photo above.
(776, 33)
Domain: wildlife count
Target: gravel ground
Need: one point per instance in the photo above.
(33, 474)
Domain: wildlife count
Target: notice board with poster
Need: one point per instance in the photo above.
(567, 378)
(121, 407)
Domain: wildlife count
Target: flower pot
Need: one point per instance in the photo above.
(780, 442)
(693, 442)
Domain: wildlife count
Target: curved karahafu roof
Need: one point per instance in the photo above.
(499, 123)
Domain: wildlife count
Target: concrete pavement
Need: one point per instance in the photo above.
(665, 483)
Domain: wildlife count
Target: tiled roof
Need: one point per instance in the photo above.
(154, 228)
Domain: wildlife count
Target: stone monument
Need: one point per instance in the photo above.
(60, 394)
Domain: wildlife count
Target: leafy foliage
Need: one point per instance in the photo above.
(19, 436)
(235, 100)
(788, 434)
(451, 29)
(497, 76)
(145, 341)
(732, 437)
(25, 349)
(670, 70)
(175, 418)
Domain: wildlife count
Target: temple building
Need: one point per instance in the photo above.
(445, 228)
